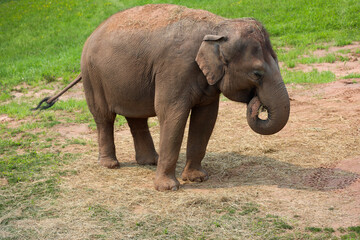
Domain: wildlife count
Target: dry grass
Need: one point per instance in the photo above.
(259, 186)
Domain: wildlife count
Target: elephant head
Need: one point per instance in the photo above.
(240, 61)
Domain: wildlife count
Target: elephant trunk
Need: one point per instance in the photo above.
(275, 100)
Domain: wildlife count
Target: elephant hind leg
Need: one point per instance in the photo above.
(145, 152)
(107, 155)
(104, 120)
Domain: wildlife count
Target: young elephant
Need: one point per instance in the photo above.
(168, 61)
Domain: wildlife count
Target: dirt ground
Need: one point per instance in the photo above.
(339, 68)
(309, 171)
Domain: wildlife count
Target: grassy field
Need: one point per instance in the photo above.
(40, 47)
(42, 40)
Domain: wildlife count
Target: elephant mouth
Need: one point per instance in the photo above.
(257, 111)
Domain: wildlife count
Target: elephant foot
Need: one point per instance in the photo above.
(164, 183)
(147, 160)
(109, 162)
(194, 175)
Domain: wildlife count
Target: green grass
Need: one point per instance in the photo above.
(329, 58)
(41, 41)
(30, 160)
(31, 169)
(308, 77)
(357, 75)
(69, 111)
(292, 59)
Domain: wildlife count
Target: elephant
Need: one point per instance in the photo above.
(174, 62)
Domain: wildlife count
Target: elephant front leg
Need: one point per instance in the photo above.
(202, 123)
(145, 153)
(172, 125)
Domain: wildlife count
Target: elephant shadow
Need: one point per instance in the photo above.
(232, 169)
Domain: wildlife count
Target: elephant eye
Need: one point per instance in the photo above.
(257, 74)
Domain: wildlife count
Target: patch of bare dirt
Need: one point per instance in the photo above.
(339, 68)
(73, 130)
(11, 122)
(3, 182)
(334, 49)
(5, 118)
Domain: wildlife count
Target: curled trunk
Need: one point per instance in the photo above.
(277, 105)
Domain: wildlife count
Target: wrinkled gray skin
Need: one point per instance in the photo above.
(169, 61)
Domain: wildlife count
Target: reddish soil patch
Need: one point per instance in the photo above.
(5, 118)
(339, 68)
(352, 48)
(351, 165)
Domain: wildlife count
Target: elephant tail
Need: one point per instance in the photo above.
(49, 101)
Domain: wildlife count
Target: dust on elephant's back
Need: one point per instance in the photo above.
(153, 17)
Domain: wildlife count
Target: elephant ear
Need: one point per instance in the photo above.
(210, 59)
